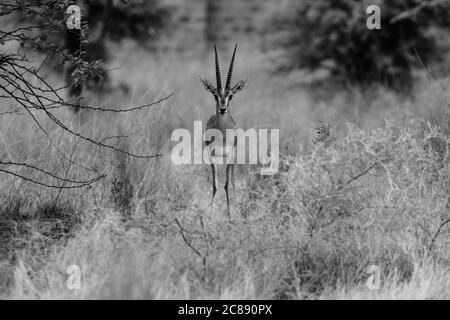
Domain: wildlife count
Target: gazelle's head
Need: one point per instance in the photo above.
(222, 95)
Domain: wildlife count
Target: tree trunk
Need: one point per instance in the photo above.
(73, 44)
(215, 23)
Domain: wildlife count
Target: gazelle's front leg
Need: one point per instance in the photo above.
(234, 185)
(215, 182)
(229, 180)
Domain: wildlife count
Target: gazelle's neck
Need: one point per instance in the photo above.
(222, 120)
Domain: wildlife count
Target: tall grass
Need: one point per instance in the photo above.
(374, 193)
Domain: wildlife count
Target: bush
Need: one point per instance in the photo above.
(333, 36)
(36, 229)
(370, 198)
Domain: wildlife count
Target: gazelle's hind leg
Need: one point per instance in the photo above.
(215, 182)
(228, 181)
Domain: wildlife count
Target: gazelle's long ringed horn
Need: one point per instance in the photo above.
(230, 71)
(218, 78)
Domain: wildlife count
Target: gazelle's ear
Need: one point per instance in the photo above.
(208, 86)
(239, 86)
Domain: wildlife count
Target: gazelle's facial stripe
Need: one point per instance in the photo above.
(223, 98)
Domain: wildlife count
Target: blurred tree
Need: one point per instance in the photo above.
(102, 20)
(333, 36)
(41, 26)
(211, 22)
(216, 18)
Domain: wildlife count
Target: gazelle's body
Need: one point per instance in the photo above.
(222, 121)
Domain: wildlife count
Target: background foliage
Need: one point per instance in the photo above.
(333, 36)
(364, 174)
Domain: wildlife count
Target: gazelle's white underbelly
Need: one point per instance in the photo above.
(220, 155)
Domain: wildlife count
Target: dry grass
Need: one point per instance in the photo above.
(371, 196)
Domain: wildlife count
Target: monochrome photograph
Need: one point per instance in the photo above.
(239, 150)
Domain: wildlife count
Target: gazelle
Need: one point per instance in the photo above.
(222, 121)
